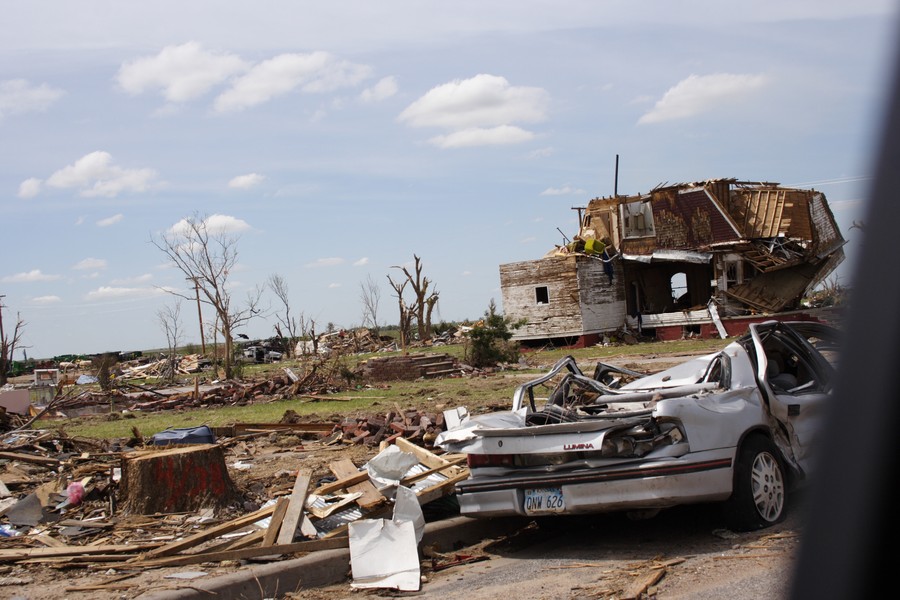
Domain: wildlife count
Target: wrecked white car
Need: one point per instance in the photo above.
(736, 426)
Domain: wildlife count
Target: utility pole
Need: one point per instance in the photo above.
(2, 337)
(199, 313)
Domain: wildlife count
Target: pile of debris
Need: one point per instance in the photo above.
(165, 367)
(354, 341)
(77, 503)
(72, 401)
(411, 366)
(414, 426)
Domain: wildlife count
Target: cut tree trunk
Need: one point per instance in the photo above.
(180, 479)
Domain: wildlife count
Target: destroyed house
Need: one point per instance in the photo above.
(698, 258)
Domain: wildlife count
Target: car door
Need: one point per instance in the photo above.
(796, 408)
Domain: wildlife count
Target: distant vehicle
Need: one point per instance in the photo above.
(736, 426)
(261, 354)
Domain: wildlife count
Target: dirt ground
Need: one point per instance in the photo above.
(689, 551)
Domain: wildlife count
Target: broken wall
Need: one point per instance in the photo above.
(654, 282)
(522, 283)
(602, 302)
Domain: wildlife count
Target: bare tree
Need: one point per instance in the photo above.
(406, 312)
(370, 296)
(287, 327)
(424, 302)
(207, 257)
(8, 344)
(170, 320)
(307, 329)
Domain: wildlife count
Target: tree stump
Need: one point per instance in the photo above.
(175, 479)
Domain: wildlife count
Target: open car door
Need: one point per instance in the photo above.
(795, 370)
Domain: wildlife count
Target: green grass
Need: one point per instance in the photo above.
(437, 394)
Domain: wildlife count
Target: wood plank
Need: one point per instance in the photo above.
(371, 497)
(341, 484)
(239, 542)
(426, 457)
(442, 489)
(638, 587)
(295, 508)
(281, 506)
(48, 541)
(213, 532)
(201, 557)
(30, 458)
(14, 554)
(89, 524)
(101, 587)
(419, 476)
(240, 428)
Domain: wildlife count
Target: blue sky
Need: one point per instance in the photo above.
(340, 139)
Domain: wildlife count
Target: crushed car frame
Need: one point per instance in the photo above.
(735, 426)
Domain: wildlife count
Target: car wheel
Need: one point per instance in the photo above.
(758, 499)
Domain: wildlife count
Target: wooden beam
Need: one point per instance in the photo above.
(281, 506)
(297, 504)
(426, 457)
(442, 489)
(419, 476)
(240, 428)
(235, 543)
(31, 458)
(341, 484)
(15, 554)
(637, 588)
(213, 532)
(371, 497)
(201, 557)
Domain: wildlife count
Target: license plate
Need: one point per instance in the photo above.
(540, 501)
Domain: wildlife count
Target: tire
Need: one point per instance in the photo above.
(759, 495)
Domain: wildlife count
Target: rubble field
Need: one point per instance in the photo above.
(69, 525)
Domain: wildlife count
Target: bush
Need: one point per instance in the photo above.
(489, 340)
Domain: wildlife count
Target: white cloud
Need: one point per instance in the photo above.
(29, 277)
(182, 72)
(46, 299)
(362, 262)
(476, 136)
(19, 96)
(700, 93)
(325, 262)
(382, 90)
(109, 292)
(226, 224)
(332, 286)
(481, 101)
(315, 72)
(110, 220)
(244, 182)
(30, 188)
(95, 175)
(562, 191)
(90, 263)
(216, 224)
(541, 153)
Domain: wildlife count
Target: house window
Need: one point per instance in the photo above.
(735, 272)
(678, 285)
(542, 295)
(637, 218)
(732, 274)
